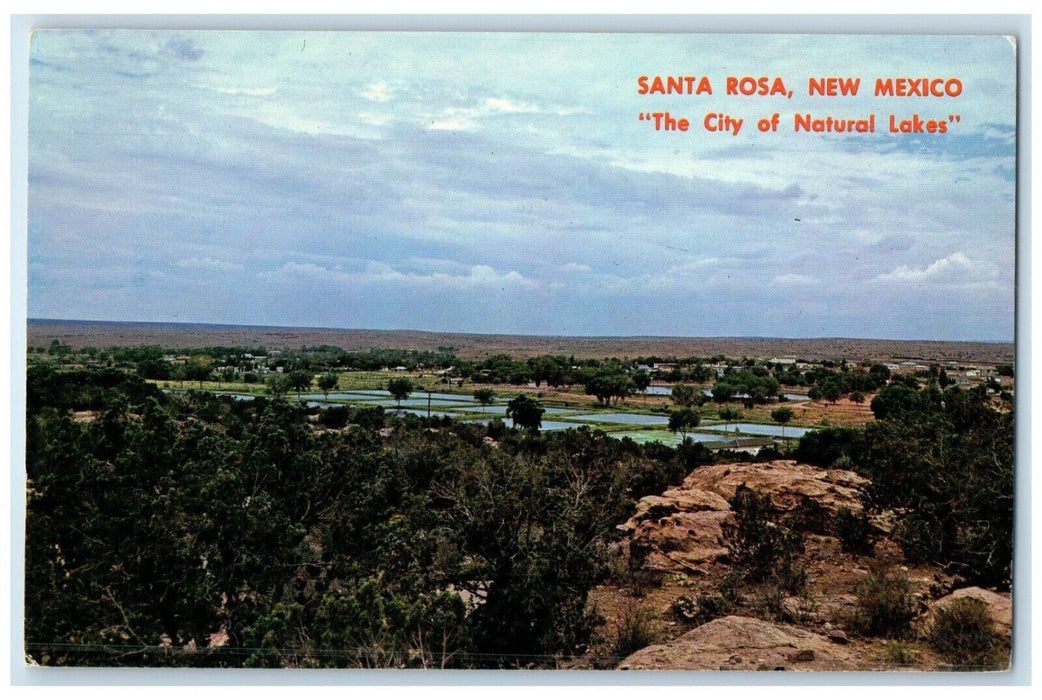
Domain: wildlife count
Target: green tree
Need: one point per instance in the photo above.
(723, 392)
(683, 418)
(300, 380)
(277, 384)
(728, 415)
(641, 380)
(400, 389)
(609, 384)
(687, 396)
(484, 396)
(526, 412)
(782, 415)
(327, 382)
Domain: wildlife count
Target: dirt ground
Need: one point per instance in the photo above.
(80, 334)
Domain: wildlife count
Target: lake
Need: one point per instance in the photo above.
(791, 431)
(634, 418)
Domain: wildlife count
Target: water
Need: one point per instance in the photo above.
(547, 424)
(239, 397)
(632, 418)
(344, 395)
(668, 391)
(422, 412)
(502, 409)
(433, 402)
(670, 439)
(418, 393)
(759, 429)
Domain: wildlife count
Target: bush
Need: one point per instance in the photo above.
(335, 416)
(885, 606)
(898, 653)
(823, 447)
(853, 530)
(963, 632)
(496, 429)
(634, 629)
(704, 608)
(731, 589)
(771, 604)
(762, 548)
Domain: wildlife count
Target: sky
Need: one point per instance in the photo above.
(503, 183)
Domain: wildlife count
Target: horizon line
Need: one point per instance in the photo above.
(504, 334)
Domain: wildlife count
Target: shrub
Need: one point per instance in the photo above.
(730, 589)
(634, 629)
(496, 429)
(898, 653)
(335, 416)
(853, 530)
(772, 604)
(885, 606)
(762, 548)
(704, 608)
(963, 632)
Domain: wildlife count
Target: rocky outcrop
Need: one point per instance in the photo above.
(737, 643)
(1000, 605)
(681, 529)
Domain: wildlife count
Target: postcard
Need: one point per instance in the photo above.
(520, 350)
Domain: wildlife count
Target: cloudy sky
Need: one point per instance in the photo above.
(504, 183)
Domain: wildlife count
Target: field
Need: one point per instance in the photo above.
(80, 334)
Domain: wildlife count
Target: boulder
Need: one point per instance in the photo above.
(682, 529)
(999, 604)
(744, 644)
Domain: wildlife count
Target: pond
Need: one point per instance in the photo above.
(634, 418)
(659, 391)
(669, 439)
(547, 424)
(502, 409)
(342, 396)
(239, 397)
(423, 402)
(791, 431)
(415, 394)
(422, 412)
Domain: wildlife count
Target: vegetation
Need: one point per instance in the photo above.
(885, 606)
(526, 412)
(762, 546)
(400, 389)
(963, 632)
(853, 531)
(683, 418)
(167, 521)
(186, 528)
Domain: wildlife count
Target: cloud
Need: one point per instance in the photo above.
(501, 104)
(236, 153)
(792, 279)
(379, 91)
(375, 273)
(468, 118)
(233, 90)
(210, 264)
(955, 269)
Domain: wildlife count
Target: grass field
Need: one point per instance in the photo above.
(805, 413)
